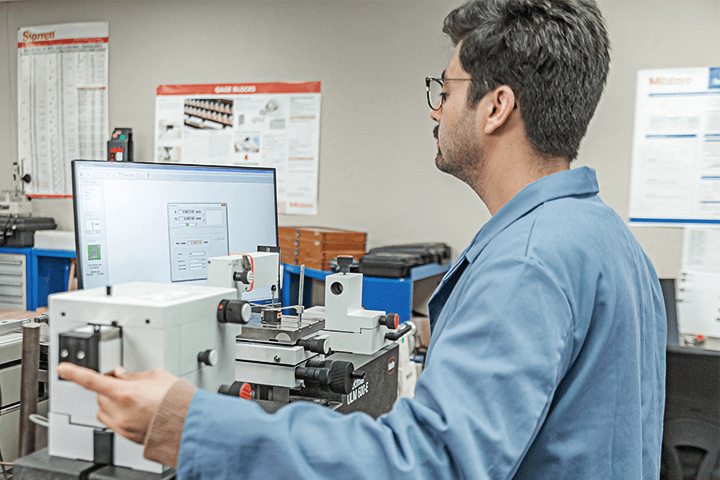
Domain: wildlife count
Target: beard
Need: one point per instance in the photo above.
(459, 154)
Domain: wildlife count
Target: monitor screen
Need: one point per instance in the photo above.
(160, 222)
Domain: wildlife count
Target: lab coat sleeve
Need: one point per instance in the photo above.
(499, 349)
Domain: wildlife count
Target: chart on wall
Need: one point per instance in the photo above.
(62, 102)
(253, 124)
(676, 148)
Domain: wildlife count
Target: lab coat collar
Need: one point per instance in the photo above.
(567, 183)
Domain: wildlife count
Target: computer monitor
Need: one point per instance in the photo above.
(160, 222)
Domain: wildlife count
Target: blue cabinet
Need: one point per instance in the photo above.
(47, 272)
(392, 295)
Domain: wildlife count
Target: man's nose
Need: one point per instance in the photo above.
(435, 114)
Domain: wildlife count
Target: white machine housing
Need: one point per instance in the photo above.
(270, 364)
(264, 271)
(163, 326)
(350, 327)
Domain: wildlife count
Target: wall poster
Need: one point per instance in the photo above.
(676, 148)
(62, 102)
(254, 124)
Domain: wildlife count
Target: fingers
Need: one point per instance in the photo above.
(119, 420)
(119, 372)
(104, 417)
(87, 378)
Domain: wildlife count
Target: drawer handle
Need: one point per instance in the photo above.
(15, 263)
(11, 297)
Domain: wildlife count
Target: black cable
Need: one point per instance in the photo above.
(1, 457)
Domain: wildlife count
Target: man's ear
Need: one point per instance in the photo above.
(500, 104)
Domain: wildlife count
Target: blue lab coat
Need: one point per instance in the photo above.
(547, 362)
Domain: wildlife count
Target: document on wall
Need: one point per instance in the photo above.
(62, 102)
(698, 293)
(701, 249)
(248, 124)
(676, 148)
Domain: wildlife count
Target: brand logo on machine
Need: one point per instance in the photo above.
(360, 388)
(35, 37)
(661, 81)
(391, 365)
(714, 78)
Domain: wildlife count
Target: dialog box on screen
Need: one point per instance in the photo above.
(198, 231)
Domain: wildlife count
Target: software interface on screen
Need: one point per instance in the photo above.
(161, 222)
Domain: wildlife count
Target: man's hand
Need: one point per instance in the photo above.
(128, 401)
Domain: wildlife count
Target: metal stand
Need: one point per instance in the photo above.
(29, 385)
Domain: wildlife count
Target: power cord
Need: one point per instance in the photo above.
(39, 420)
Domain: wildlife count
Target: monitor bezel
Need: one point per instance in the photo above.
(189, 166)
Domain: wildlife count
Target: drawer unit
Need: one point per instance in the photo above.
(314, 247)
(13, 282)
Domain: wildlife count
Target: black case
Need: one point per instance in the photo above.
(431, 252)
(390, 264)
(395, 261)
(20, 231)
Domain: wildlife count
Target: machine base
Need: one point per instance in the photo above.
(41, 466)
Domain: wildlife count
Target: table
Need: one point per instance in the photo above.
(14, 314)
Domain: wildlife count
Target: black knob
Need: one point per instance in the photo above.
(26, 178)
(391, 320)
(313, 376)
(208, 357)
(341, 377)
(246, 277)
(344, 262)
(315, 345)
(234, 311)
(315, 362)
(333, 375)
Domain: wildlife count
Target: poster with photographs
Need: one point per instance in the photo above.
(253, 124)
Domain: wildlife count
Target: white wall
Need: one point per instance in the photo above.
(376, 148)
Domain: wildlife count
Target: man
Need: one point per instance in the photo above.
(548, 334)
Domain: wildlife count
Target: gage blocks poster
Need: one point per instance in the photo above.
(274, 124)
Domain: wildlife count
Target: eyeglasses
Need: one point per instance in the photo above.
(435, 94)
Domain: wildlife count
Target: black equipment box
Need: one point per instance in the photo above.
(18, 231)
(395, 261)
